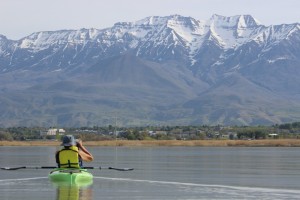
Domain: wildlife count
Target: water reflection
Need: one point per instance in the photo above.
(73, 192)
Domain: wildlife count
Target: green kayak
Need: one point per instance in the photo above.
(71, 176)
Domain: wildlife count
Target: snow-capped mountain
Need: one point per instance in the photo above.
(158, 70)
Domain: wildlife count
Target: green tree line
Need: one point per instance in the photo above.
(110, 132)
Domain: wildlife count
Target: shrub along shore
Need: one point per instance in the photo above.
(157, 143)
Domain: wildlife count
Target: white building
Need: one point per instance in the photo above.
(53, 131)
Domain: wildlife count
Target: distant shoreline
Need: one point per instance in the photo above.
(158, 143)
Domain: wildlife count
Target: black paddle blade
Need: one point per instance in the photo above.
(28, 167)
(121, 169)
(12, 168)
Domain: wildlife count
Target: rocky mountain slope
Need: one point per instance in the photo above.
(171, 70)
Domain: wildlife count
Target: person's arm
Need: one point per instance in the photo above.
(57, 158)
(84, 153)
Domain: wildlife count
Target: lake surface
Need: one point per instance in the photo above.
(159, 173)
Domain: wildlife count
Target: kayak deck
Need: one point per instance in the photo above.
(71, 176)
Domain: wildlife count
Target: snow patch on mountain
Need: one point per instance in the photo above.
(231, 32)
(277, 59)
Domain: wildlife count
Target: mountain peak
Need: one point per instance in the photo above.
(159, 20)
(234, 21)
(248, 21)
(152, 20)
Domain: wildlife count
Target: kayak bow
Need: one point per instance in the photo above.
(71, 176)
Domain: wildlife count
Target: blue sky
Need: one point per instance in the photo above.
(19, 18)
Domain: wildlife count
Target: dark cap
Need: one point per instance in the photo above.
(68, 140)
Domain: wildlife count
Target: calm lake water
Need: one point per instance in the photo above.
(160, 173)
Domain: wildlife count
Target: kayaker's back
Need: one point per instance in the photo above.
(68, 157)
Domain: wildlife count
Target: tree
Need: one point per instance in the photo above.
(5, 136)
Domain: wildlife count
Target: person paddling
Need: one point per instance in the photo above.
(72, 154)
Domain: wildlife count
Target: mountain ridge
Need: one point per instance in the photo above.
(170, 70)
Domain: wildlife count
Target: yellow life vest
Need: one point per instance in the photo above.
(68, 158)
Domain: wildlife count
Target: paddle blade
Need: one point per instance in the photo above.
(13, 168)
(121, 169)
(28, 167)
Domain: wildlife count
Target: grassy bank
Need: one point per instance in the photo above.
(153, 143)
